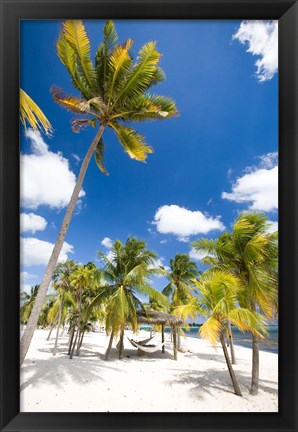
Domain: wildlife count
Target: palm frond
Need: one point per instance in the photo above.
(168, 290)
(32, 114)
(154, 294)
(67, 57)
(211, 330)
(99, 156)
(132, 142)
(147, 107)
(102, 57)
(75, 34)
(157, 77)
(71, 103)
(141, 75)
(79, 124)
(189, 310)
(246, 320)
(256, 249)
(119, 65)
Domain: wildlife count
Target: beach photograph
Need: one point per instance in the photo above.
(149, 216)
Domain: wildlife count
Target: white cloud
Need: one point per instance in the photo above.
(107, 242)
(261, 37)
(27, 277)
(173, 219)
(197, 255)
(259, 186)
(269, 160)
(37, 252)
(45, 176)
(110, 255)
(30, 222)
(25, 288)
(273, 226)
(159, 262)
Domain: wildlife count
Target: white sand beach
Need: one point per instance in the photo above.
(197, 382)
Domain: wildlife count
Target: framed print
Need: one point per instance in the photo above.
(148, 215)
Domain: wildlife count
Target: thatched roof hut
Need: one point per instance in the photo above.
(158, 317)
(161, 318)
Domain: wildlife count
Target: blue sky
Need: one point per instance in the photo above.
(217, 158)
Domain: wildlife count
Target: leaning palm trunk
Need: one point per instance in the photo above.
(40, 298)
(230, 367)
(231, 343)
(121, 346)
(74, 345)
(254, 388)
(79, 325)
(255, 366)
(82, 337)
(71, 339)
(59, 324)
(108, 351)
(52, 327)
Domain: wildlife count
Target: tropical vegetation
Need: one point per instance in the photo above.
(250, 252)
(219, 291)
(239, 287)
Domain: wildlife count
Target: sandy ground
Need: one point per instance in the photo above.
(197, 382)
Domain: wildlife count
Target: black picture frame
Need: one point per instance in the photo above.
(286, 11)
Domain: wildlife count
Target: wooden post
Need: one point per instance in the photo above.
(175, 342)
(163, 337)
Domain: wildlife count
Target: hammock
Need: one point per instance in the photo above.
(147, 349)
(144, 341)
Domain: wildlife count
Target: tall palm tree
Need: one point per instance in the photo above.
(127, 273)
(32, 114)
(180, 286)
(219, 291)
(82, 280)
(62, 283)
(251, 253)
(113, 91)
(181, 273)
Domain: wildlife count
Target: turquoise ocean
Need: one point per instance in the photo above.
(240, 338)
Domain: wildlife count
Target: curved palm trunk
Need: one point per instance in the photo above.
(121, 346)
(52, 327)
(230, 367)
(231, 343)
(79, 325)
(81, 341)
(255, 366)
(108, 351)
(174, 332)
(42, 291)
(71, 340)
(74, 345)
(59, 324)
(255, 360)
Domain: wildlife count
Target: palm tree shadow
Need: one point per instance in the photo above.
(210, 357)
(204, 381)
(59, 369)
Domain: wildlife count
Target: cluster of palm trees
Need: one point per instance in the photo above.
(239, 288)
